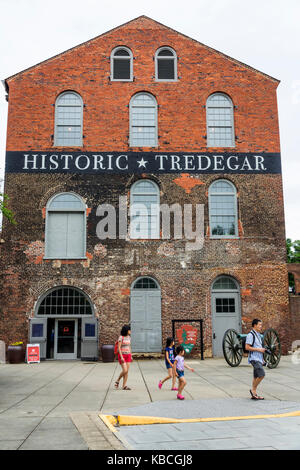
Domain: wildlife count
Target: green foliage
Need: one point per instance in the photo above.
(4, 209)
(293, 256)
(293, 251)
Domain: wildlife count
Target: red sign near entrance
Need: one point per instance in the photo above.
(33, 353)
(187, 337)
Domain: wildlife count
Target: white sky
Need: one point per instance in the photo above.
(261, 33)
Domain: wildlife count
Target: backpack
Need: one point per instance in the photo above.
(116, 347)
(253, 334)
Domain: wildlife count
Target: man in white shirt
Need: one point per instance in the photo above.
(256, 356)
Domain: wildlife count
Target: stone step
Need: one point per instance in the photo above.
(140, 355)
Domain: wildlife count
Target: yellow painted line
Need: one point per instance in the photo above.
(127, 420)
(110, 421)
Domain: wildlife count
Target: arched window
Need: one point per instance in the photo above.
(65, 301)
(225, 283)
(121, 63)
(145, 283)
(223, 209)
(219, 120)
(165, 64)
(68, 120)
(65, 227)
(144, 210)
(143, 121)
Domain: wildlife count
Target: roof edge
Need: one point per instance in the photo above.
(126, 23)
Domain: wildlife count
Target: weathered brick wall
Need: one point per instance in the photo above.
(295, 318)
(256, 259)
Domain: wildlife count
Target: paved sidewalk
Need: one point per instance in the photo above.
(55, 405)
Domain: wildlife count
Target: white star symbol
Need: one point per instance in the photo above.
(142, 162)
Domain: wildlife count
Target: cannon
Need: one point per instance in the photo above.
(234, 347)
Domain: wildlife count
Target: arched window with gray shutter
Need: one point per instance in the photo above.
(121, 64)
(219, 120)
(223, 219)
(143, 120)
(144, 210)
(165, 64)
(65, 227)
(68, 120)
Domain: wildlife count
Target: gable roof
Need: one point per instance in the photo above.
(132, 21)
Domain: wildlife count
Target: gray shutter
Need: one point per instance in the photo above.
(145, 320)
(138, 321)
(75, 235)
(57, 224)
(38, 334)
(89, 339)
(65, 235)
(154, 321)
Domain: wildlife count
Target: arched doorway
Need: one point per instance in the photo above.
(65, 325)
(226, 310)
(145, 315)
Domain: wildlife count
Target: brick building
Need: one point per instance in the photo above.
(141, 115)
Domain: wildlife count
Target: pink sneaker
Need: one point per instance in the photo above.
(159, 384)
(175, 388)
(180, 397)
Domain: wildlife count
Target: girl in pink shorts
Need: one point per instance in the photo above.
(124, 355)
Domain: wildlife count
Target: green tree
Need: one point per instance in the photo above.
(5, 210)
(293, 256)
(293, 251)
(296, 247)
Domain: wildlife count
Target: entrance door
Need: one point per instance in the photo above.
(225, 311)
(65, 339)
(145, 316)
(38, 334)
(89, 339)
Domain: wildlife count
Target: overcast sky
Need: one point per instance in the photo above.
(261, 33)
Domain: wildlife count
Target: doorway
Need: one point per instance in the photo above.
(65, 325)
(65, 339)
(145, 316)
(225, 301)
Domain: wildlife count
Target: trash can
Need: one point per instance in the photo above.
(107, 352)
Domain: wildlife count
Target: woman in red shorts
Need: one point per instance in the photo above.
(124, 356)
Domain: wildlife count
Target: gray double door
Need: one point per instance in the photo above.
(145, 320)
(225, 314)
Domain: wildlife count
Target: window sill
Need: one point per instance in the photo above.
(83, 258)
(224, 237)
(145, 239)
(164, 80)
(71, 147)
(134, 148)
(221, 148)
(121, 79)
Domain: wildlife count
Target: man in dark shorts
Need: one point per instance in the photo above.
(256, 356)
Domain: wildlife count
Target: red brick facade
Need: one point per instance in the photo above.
(256, 259)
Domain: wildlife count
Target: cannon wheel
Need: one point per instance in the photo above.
(271, 341)
(232, 348)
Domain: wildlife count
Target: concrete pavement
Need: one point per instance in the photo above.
(55, 405)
